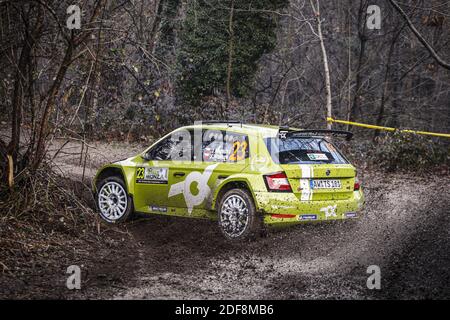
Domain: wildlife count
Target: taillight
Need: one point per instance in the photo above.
(278, 182)
(357, 184)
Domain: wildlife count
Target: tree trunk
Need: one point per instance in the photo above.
(155, 26)
(386, 83)
(73, 42)
(24, 70)
(50, 105)
(92, 106)
(397, 85)
(230, 53)
(326, 67)
(362, 52)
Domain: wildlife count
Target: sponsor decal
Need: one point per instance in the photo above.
(152, 175)
(158, 209)
(329, 211)
(184, 187)
(308, 217)
(351, 215)
(317, 156)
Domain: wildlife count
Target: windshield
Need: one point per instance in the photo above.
(303, 150)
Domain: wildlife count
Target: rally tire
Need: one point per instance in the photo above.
(237, 216)
(112, 194)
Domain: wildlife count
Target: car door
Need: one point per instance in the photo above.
(187, 187)
(220, 154)
(164, 166)
(229, 153)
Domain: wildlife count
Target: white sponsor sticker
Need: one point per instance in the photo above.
(184, 187)
(158, 209)
(152, 175)
(330, 211)
(317, 156)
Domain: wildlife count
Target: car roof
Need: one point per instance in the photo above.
(245, 128)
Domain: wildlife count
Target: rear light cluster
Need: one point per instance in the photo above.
(357, 184)
(277, 182)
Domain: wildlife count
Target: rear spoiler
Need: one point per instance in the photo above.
(284, 133)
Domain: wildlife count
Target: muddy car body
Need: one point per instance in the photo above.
(245, 176)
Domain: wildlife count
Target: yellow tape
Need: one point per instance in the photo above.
(371, 126)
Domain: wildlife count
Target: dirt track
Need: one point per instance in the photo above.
(405, 231)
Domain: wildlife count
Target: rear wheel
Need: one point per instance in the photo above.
(238, 219)
(113, 202)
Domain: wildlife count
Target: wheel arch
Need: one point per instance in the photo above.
(232, 183)
(109, 171)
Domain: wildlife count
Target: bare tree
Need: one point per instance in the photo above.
(326, 68)
(230, 52)
(422, 40)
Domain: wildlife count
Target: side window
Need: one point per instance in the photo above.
(222, 146)
(162, 151)
(176, 147)
(212, 146)
(238, 146)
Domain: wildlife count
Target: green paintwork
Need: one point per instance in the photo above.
(155, 199)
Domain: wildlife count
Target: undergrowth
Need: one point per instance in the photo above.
(47, 223)
(404, 152)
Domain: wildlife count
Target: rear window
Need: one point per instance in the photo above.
(303, 150)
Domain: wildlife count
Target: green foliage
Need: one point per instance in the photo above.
(410, 152)
(203, 56)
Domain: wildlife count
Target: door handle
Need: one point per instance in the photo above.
(179, 174)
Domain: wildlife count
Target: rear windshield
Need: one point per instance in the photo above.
(303, 150)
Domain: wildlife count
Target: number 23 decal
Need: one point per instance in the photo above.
(239, 151)
(140, 173)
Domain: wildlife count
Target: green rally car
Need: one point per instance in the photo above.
(243, 175)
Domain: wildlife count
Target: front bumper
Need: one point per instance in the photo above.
(287, 208)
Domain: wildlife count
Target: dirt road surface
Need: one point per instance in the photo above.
(405, 231)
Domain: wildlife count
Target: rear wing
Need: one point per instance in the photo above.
(284, 133)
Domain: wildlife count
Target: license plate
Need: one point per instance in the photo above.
(325, 184)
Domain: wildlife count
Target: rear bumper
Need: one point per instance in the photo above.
(287, 208)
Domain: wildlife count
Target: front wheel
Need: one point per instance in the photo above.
(237, 215)
(113, 202)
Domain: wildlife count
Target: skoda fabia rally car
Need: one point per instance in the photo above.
(245, 176)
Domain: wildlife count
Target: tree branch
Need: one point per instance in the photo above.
(430, 49)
